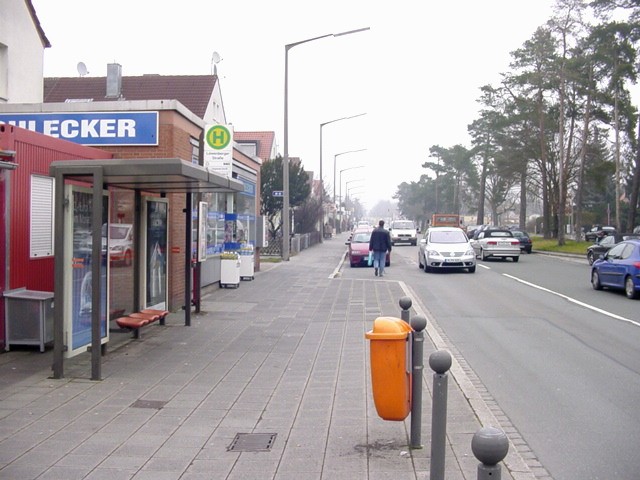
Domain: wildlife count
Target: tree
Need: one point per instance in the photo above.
(271, 180)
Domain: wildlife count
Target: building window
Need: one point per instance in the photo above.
(195, 150)
(42, 197)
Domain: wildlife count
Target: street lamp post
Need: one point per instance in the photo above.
(345, 201)
(340, 200)
(285, 160)
(320, 169)
(335, 157)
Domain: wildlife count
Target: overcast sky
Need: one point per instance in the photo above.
(416, 73)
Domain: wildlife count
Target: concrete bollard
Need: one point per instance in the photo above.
(489, 445)
(418, 323)
(440, 363)
(405, 304)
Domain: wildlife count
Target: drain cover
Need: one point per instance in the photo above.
(157, 404)
(252, 442)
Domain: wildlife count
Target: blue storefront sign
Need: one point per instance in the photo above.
(91, 128)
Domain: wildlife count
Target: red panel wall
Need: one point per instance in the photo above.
(34, 154)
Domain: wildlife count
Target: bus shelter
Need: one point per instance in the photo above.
(89, 182)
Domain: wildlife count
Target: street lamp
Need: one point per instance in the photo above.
(345, 200)
(285, 160)
(321, 179)
(340, 181)
(335, 157)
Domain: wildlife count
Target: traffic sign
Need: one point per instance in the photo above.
(278, 193)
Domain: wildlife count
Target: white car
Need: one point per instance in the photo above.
(497, 243)
(403, 231)
(446, 248)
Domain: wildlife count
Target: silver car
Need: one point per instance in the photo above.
(446, 248)
(497, 243)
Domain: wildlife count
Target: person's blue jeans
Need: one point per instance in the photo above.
(379, 259)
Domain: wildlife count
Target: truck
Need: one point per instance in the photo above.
(445, 220)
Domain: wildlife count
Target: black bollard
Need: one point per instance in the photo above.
(405, 304)
(489, 445)
(440, 363)
(418, 323)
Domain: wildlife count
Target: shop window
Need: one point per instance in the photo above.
(41, 229)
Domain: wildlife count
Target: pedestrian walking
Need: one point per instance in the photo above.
(379, 244)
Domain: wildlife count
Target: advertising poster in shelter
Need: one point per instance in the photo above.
(156, 258)
(82, 260)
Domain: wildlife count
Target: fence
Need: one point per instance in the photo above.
(297, 243)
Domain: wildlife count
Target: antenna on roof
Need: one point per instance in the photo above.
(82, 69)
(215, 60)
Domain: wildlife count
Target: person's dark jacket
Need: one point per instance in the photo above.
(380, 240)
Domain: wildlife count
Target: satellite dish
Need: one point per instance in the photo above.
(82, 69)
(215, 59)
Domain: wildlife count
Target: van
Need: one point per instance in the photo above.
(403, 231)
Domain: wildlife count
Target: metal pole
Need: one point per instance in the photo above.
(418, 323)
(321, 178)
(489, 445)
(440, 362)
(405, 304)
(285, 160)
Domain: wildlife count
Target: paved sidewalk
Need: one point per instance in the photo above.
(284, 354)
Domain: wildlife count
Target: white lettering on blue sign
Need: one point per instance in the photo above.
(98, 128)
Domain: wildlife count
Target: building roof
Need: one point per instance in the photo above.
(36, 22)
(263, 140)
(192, 91)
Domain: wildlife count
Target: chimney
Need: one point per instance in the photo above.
(114, 80)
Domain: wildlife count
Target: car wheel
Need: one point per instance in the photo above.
(414, 243)
(629, 288)
(590, 258)
(595, 280)
(353, 265)
(426, 267)
(472, 269)
(420, 264)
(528, 249)
(515, 259)
(482, 255)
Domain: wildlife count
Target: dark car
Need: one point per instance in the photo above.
(619, 269)
(526, 245)
(603, 246)
(598, 232)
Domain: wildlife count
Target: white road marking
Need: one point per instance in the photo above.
(573, 300)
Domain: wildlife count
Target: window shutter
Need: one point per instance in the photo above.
(41, 238)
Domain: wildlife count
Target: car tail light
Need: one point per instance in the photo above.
(517, 242)
(637, 265)
(492, 242)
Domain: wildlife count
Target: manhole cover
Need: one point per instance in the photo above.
(157, 404)
(252, 442)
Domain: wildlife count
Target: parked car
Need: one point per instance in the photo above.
(403, 231)
(446, 248)
(526, 245)
(603, 246)
(619, 269)
(499, 243)
(359, 249)
(598, 232)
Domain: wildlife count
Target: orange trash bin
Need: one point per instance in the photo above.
(391, 367)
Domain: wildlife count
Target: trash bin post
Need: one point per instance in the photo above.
(440, 363)
(405, 304)
(489, 445)
(418, 323)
